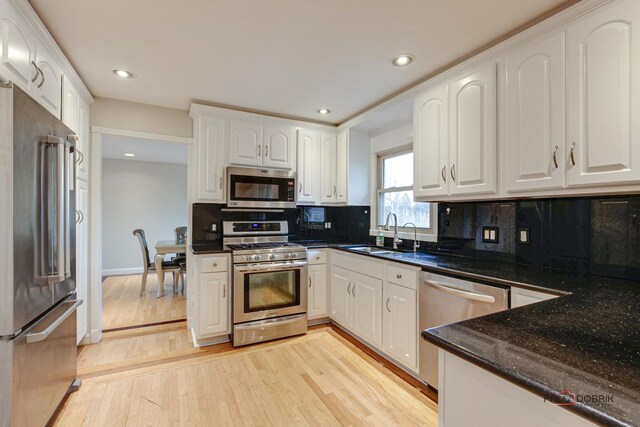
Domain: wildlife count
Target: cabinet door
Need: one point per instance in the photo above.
(214, 303)
(603, 101)
(472, 111)
(535, 116)
(70, 106)
(82, 258)
(82, 160)
(279, 147)
(245, 143)
(341, 297)
(328, 188)
(342, 166)
(400, 333)
(49, 85)
(18, 48)
(431, 143)
(520, 297)
(367, 310)
(317, 291)
(308, 172)
(211, 131)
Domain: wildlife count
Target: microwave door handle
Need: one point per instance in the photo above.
(460, 293)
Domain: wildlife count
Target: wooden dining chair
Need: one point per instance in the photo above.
(173, 266)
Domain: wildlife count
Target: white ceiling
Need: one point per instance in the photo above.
(287, 57)
(145, 150)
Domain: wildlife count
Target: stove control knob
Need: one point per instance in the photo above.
(294, 255)
(257, 257)
(249, 257)
(273, 256)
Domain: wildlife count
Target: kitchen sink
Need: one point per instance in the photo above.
(373, 250)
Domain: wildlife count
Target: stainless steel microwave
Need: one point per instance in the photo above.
(260, 188)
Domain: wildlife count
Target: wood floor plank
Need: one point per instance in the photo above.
(318, 379)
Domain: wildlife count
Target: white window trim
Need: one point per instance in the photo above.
(406, 233)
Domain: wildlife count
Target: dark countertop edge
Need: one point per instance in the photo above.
(455, 272)
(589, 413)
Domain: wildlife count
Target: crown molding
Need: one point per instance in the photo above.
(43, 34)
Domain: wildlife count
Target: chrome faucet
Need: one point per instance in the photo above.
(301, 217)
(396, 241)
(416, 245)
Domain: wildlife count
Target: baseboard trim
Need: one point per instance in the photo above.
(122, 271)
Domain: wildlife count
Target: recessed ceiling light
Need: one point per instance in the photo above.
(402, 60)
(123, 73)
(129, 154)
(324, 111)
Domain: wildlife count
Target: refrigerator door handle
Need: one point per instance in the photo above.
(44, 334)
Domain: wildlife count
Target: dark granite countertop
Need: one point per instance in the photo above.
(587, 341)
(209, 248)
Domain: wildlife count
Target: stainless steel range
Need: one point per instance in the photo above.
(269, 281)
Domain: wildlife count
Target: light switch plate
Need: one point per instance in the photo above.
(524, 236)
(490, 234)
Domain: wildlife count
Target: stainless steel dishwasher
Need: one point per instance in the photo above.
(445, 300)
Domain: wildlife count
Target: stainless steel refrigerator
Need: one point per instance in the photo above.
(37, 261)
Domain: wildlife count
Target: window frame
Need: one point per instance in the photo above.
(423, 233)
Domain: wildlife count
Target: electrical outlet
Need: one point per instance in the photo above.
(524, 236)
(214, 227)
(490, 234)
(327, 225)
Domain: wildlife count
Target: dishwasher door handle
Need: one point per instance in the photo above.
(460, 293)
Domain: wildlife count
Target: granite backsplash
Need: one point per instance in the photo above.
(331, 224)
(585, 235)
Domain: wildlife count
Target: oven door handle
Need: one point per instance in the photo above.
(270, 267)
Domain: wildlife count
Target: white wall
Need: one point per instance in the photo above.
(117, 114)
(151, 196)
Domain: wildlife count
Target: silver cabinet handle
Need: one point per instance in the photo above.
(555, 157)
(453, 173)
(266, 150)
(387, 305)
(353, 291)
(444, 174)
(221, 183)
(215, 264)
(224, 290)
(309, 281)
(77, 217)
(460, 293)
(43, 335)
(43, 79)
(80, 158)
(334, 190)
(300, 188)
(398, 276)
(573, 159)
(349, 288)
(259, 150)
(317, 256)
(81, 217)
(33, 80)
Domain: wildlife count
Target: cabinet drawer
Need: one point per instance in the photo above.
(362, 264)
(400, 275)
(317, 257)
(212, 264)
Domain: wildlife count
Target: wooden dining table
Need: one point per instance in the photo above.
(164, 247)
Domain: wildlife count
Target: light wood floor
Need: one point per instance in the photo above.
(316, 379)
(122, 305)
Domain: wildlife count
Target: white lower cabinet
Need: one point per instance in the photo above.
(520, 297)
(82, 259)
(385, 316)
(317, 305)
(400, 326)
(213, 296)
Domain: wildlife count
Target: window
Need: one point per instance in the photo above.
(395, 192)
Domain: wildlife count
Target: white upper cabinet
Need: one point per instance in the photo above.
(535, 116)
(18, 49)
(431, 143)
(70, 106)
(82, 160)
(308, 166)
(210, 132)
(49, 87)
(603, 96)
(245, 143)
(255, 144)
(472, 154)
(342, 166)
(279, 147)
(328, 165)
